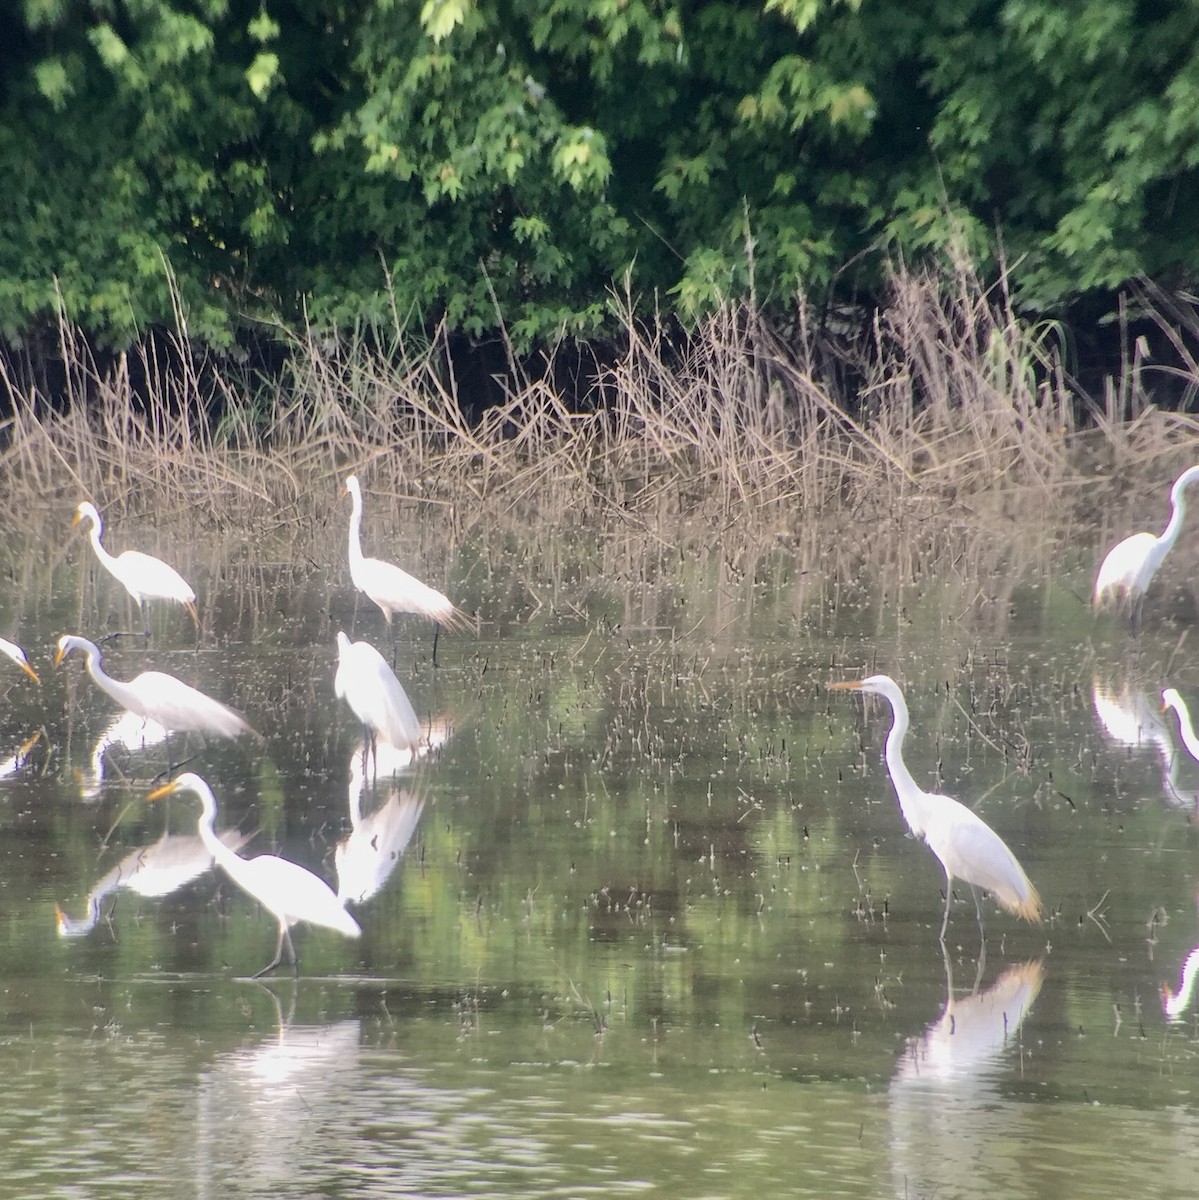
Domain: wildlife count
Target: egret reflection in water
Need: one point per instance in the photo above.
(1129, 717)
(946, 1107)
(128, 732)
(19, 757)
(152, 871)
(368, 855)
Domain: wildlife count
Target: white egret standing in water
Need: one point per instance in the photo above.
(393, 589)
(289, 892)
(143, 576)
(369, 686)
(177, 706)
(1130, 565)
(969, 849)
(13, 651)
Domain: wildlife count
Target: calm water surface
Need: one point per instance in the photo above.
(644, 921)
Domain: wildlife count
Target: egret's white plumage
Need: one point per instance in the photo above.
(143, 576)
(289, 892)
(1172, 700)
(155, 696)
(13, 651)
(392, 589)
(369, 686)
(1130, 565)
(969, 849)
(1174, 1003)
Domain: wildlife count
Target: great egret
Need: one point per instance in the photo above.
(289, 892)
(1171, 699)
(143, 576)
(18, 656)
(392, 589)
(369, 686)
(1130, 565)
(967, 846)
(155, 696)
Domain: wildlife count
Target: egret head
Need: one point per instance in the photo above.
(86, 512)
(18, 656)
(352, 488)
(69, 642)
(187, 782)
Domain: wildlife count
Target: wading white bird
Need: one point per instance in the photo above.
(155, 696)
(18, 656)
(369, 686)
(1130, 565)
(392, 589)
(143, 576)
(969, 849)
(289, 892)
(1171, 699)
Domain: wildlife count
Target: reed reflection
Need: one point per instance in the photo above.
(152, 871)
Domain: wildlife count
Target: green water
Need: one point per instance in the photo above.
(645, 922)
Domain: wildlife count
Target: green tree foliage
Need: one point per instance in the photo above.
(459, 159)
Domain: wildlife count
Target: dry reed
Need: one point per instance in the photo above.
(945, 394)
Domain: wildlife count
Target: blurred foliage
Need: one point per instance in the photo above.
(231, 162)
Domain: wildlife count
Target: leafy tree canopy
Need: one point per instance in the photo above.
(256, 160)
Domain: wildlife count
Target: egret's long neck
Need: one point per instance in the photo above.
(355, 531)
(1170, 534)
(1177, 1001)
(901, 777)
(105, 558)
(122, 693)
(221, 854)
(1188, 731)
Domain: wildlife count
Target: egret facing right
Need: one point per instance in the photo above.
(969, 849)
(13, 651)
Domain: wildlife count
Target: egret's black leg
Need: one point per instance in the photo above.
(278, 954)
(436, 635)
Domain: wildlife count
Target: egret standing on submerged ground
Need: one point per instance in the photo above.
(176, 706)
(13, 651)
(1130, 565)
(289, 892)
(969, 849)
(143, 576)
(369, 686)
(392, 589)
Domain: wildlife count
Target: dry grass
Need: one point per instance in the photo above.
(947, 394)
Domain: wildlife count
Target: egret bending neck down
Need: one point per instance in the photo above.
(968, 848)
(289, 892)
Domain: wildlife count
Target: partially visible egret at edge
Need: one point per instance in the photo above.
(1130, 565)
(289, 892)
(393, 589)
(370, 687)
(968, 848)
(155, 696)
(1172, 700)
(13, 651)
(143, 576)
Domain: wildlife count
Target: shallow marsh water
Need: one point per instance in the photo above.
(645, 920)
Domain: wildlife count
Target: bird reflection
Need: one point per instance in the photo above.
(1130, 718)
(127, 732)
(262, 1107)
(974, 1030)
(368, 855)
(15, 761)
(945, 1105)
(1175, 1003)
(155, 870)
